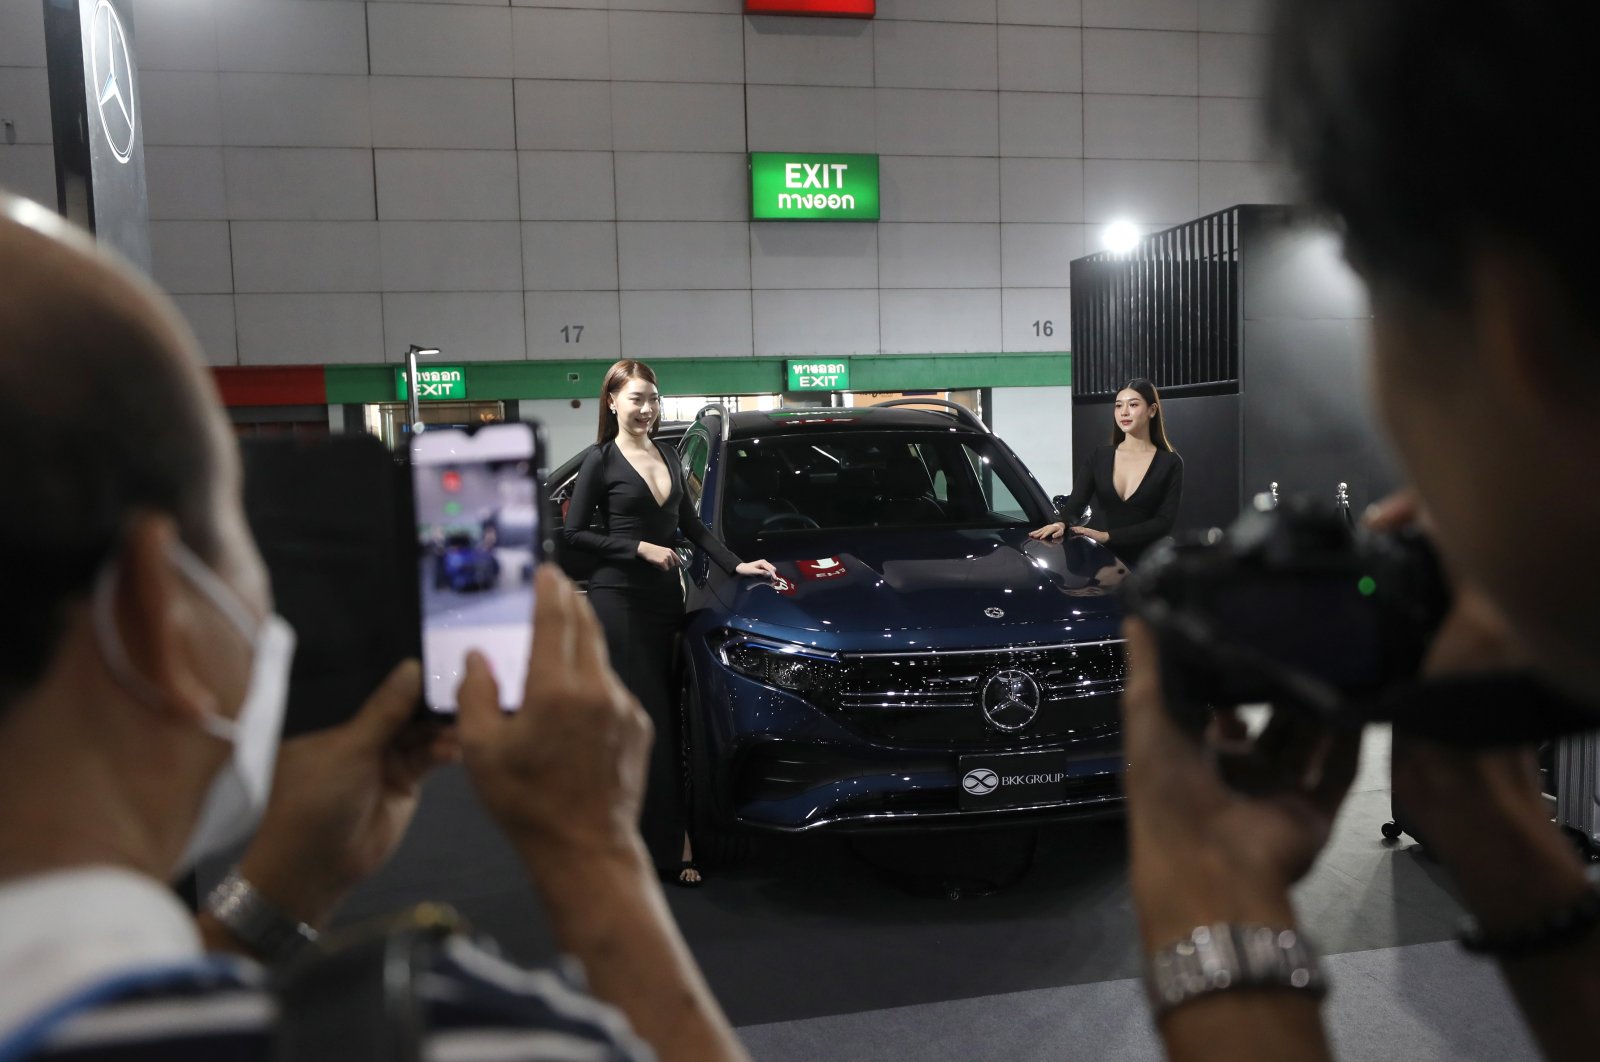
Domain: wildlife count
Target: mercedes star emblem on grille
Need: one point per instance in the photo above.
(995, 613)
(1010, 700)
(980, 782)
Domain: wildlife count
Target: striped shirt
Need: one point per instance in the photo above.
(70, 993)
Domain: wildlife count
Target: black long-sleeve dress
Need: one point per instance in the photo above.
(640, 607)
(1135, 522)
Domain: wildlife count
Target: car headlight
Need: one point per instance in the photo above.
(782, 664)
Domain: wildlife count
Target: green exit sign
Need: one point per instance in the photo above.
(790, 187)
(819, 376)
(435, 383)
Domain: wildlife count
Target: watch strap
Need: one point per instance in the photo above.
(256, 922)
(1221, 957)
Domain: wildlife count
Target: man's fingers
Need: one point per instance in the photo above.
(1397, 510)
(392, 705)
(478, 698)
(1142, 705)
(552, 625)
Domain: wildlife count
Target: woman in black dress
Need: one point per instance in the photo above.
(1134, 484)
(627, 509)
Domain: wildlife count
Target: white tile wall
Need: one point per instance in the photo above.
(799, 323)
(808, 51)
(563, 115)
(1140, 127)
(652, 46)
(450, 255)
(955, 322)
(1041, 190)
(183, 182)
(210, 318)
(295, 110)
(662, 186)
(651, 116)
(1143, 14)
(555, 43)
(654, 255)
(191, 257)
(1231, 64)
(25, 102)
(592, 320)
(828, 254)
(1041, 60)
(427, 39)
(924, 188)
(1037, 319)
(1225, 184)
(1145, 192)
(1231, 130)
(938, 10)
(469, 325)
(442, 112)
(291, 37)
(567, 185)
(279, 184)
(446, 185)
(681, 324)
(167, 34)
(309, 329)
(934, 122)
(1042, 12)
(805, 118)
(938, 256)
(1140, 62)
(1235, 16)
(179, 107)
(1041, 124)
(569, 255)
(22, 35)
(935, 55)
(1038, 256)
(709, 7)
(305, 256)
(29, 170)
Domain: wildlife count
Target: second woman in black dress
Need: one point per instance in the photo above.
(628, 507)
(1134, 484)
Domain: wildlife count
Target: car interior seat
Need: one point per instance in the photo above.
(907, 494)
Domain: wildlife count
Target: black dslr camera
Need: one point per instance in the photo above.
(1291, 606)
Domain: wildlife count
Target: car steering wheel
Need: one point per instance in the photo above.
(798, 521)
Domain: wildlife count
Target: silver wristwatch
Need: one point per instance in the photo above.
(268, 932)
(1219, 957)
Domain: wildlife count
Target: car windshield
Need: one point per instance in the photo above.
(860, 481)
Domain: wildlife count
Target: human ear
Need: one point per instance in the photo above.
(159, 621)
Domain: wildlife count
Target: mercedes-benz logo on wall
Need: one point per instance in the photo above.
(113, 79)
(995, 613)
(1010, 700)
(980, 781)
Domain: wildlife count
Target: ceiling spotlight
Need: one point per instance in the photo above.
(1120, 237)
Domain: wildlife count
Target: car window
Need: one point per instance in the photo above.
(696, 452)
(866, 480)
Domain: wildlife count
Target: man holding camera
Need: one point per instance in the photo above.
(142, 681)
(1436, 134)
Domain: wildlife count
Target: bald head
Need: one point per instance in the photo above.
(105, 412)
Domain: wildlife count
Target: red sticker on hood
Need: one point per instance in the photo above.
(782, 586)
(822, 568)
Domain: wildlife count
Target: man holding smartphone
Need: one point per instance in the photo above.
(142, 681)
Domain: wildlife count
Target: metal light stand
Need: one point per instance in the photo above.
(415, 404)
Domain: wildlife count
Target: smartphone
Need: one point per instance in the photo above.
(480, 538)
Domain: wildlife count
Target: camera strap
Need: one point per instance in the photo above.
(1484, 710)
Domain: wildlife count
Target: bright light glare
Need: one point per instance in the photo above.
(1120, 237)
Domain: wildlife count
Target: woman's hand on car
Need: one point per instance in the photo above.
(763, 568)
(658, 556)
(1049, 532)
(1101, 537)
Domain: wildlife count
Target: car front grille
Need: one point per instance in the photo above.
(938, 698)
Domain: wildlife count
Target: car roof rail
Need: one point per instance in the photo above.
(719, 409)
(961, 412)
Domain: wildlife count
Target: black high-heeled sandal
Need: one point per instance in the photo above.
(688, 883)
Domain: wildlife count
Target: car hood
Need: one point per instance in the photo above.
(966, 582)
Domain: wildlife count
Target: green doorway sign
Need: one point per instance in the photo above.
(819, 375)
(435, 383)
(790, 187)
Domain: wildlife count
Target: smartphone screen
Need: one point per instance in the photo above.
(479, 542)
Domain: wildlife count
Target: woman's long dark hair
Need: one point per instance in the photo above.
(617, 378)
(1158, 422)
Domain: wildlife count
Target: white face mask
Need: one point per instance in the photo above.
(238, 794)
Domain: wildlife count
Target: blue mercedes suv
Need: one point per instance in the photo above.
(920, 661)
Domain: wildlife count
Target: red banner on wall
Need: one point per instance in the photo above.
(836, 8)
(288, 385)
